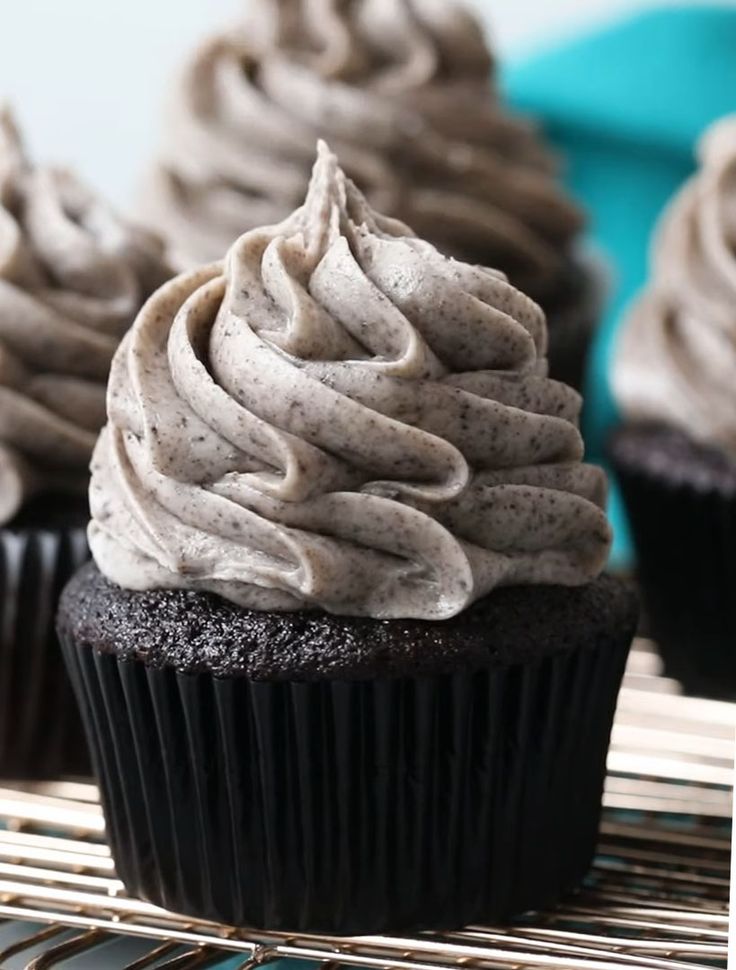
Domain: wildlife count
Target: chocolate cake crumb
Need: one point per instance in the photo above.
(669, 454)
(194, 632)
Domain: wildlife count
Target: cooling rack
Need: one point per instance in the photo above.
(656, 898)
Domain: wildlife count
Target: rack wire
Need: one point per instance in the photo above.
(656, 898)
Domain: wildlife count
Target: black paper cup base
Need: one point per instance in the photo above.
(41, 734)
(352, 807)
(685, 540)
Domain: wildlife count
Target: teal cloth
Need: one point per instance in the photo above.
(626, 105)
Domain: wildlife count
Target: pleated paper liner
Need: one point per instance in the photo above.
(352, 807)
(41, 734)
(685, 540)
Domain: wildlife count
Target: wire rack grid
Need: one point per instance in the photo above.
(656, 898)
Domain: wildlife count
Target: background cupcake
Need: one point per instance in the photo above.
(406, 94)
(345, 658)
(675, 380)
(72, 278)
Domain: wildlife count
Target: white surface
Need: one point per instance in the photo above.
(87, 77)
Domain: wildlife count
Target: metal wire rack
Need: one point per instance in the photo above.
(656, 899)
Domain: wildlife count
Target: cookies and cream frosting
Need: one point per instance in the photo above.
(341, 417)
(676, 358)
(402, 90)
(72, 278)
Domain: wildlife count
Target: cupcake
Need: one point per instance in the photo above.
(674, 378)
(345, 657)
(72, 278)
(406, 94)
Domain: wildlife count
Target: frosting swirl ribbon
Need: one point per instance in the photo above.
(342, 417)
(72, 278)
(402, 90)
(676, 357)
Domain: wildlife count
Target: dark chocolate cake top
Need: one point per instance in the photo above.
(195, 632)
(671, 455)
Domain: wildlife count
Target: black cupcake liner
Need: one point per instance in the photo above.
(352, 807)
(41, 734)
(685, 541)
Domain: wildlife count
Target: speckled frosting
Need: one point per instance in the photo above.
(341, 417)
(676, 359)
(403, 91)
(72, 278)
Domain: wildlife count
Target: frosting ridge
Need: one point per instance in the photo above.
(72, 278)
(676, 356)
(402, 91)
(339, 416)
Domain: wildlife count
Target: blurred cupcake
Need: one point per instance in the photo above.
(406, 95)
(346, 659)
(674, 379)
(72, 278)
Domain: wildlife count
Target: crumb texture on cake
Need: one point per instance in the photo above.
(194, 632)
(672, 456)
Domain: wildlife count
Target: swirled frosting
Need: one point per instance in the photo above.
(72, 278)
(402, 90)
(341, 417)
(676, 358)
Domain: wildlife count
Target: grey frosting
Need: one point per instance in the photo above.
(341, 417)
(72, 278)
(676, 356)
(403, 91)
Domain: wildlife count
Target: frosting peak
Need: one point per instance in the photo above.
(389, 44)
(676, 360)
(402, 90)
(72, 278)
(342, 417)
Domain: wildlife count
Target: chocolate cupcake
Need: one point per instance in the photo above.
(345, 657)
(674, 378)
(72, 278)
(406, 94)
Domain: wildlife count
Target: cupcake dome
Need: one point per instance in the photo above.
(73, 276)
(404, 93)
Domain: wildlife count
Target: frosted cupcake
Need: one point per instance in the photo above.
(72, 278)
(406, 95)
(675, 381)
(345, 656)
